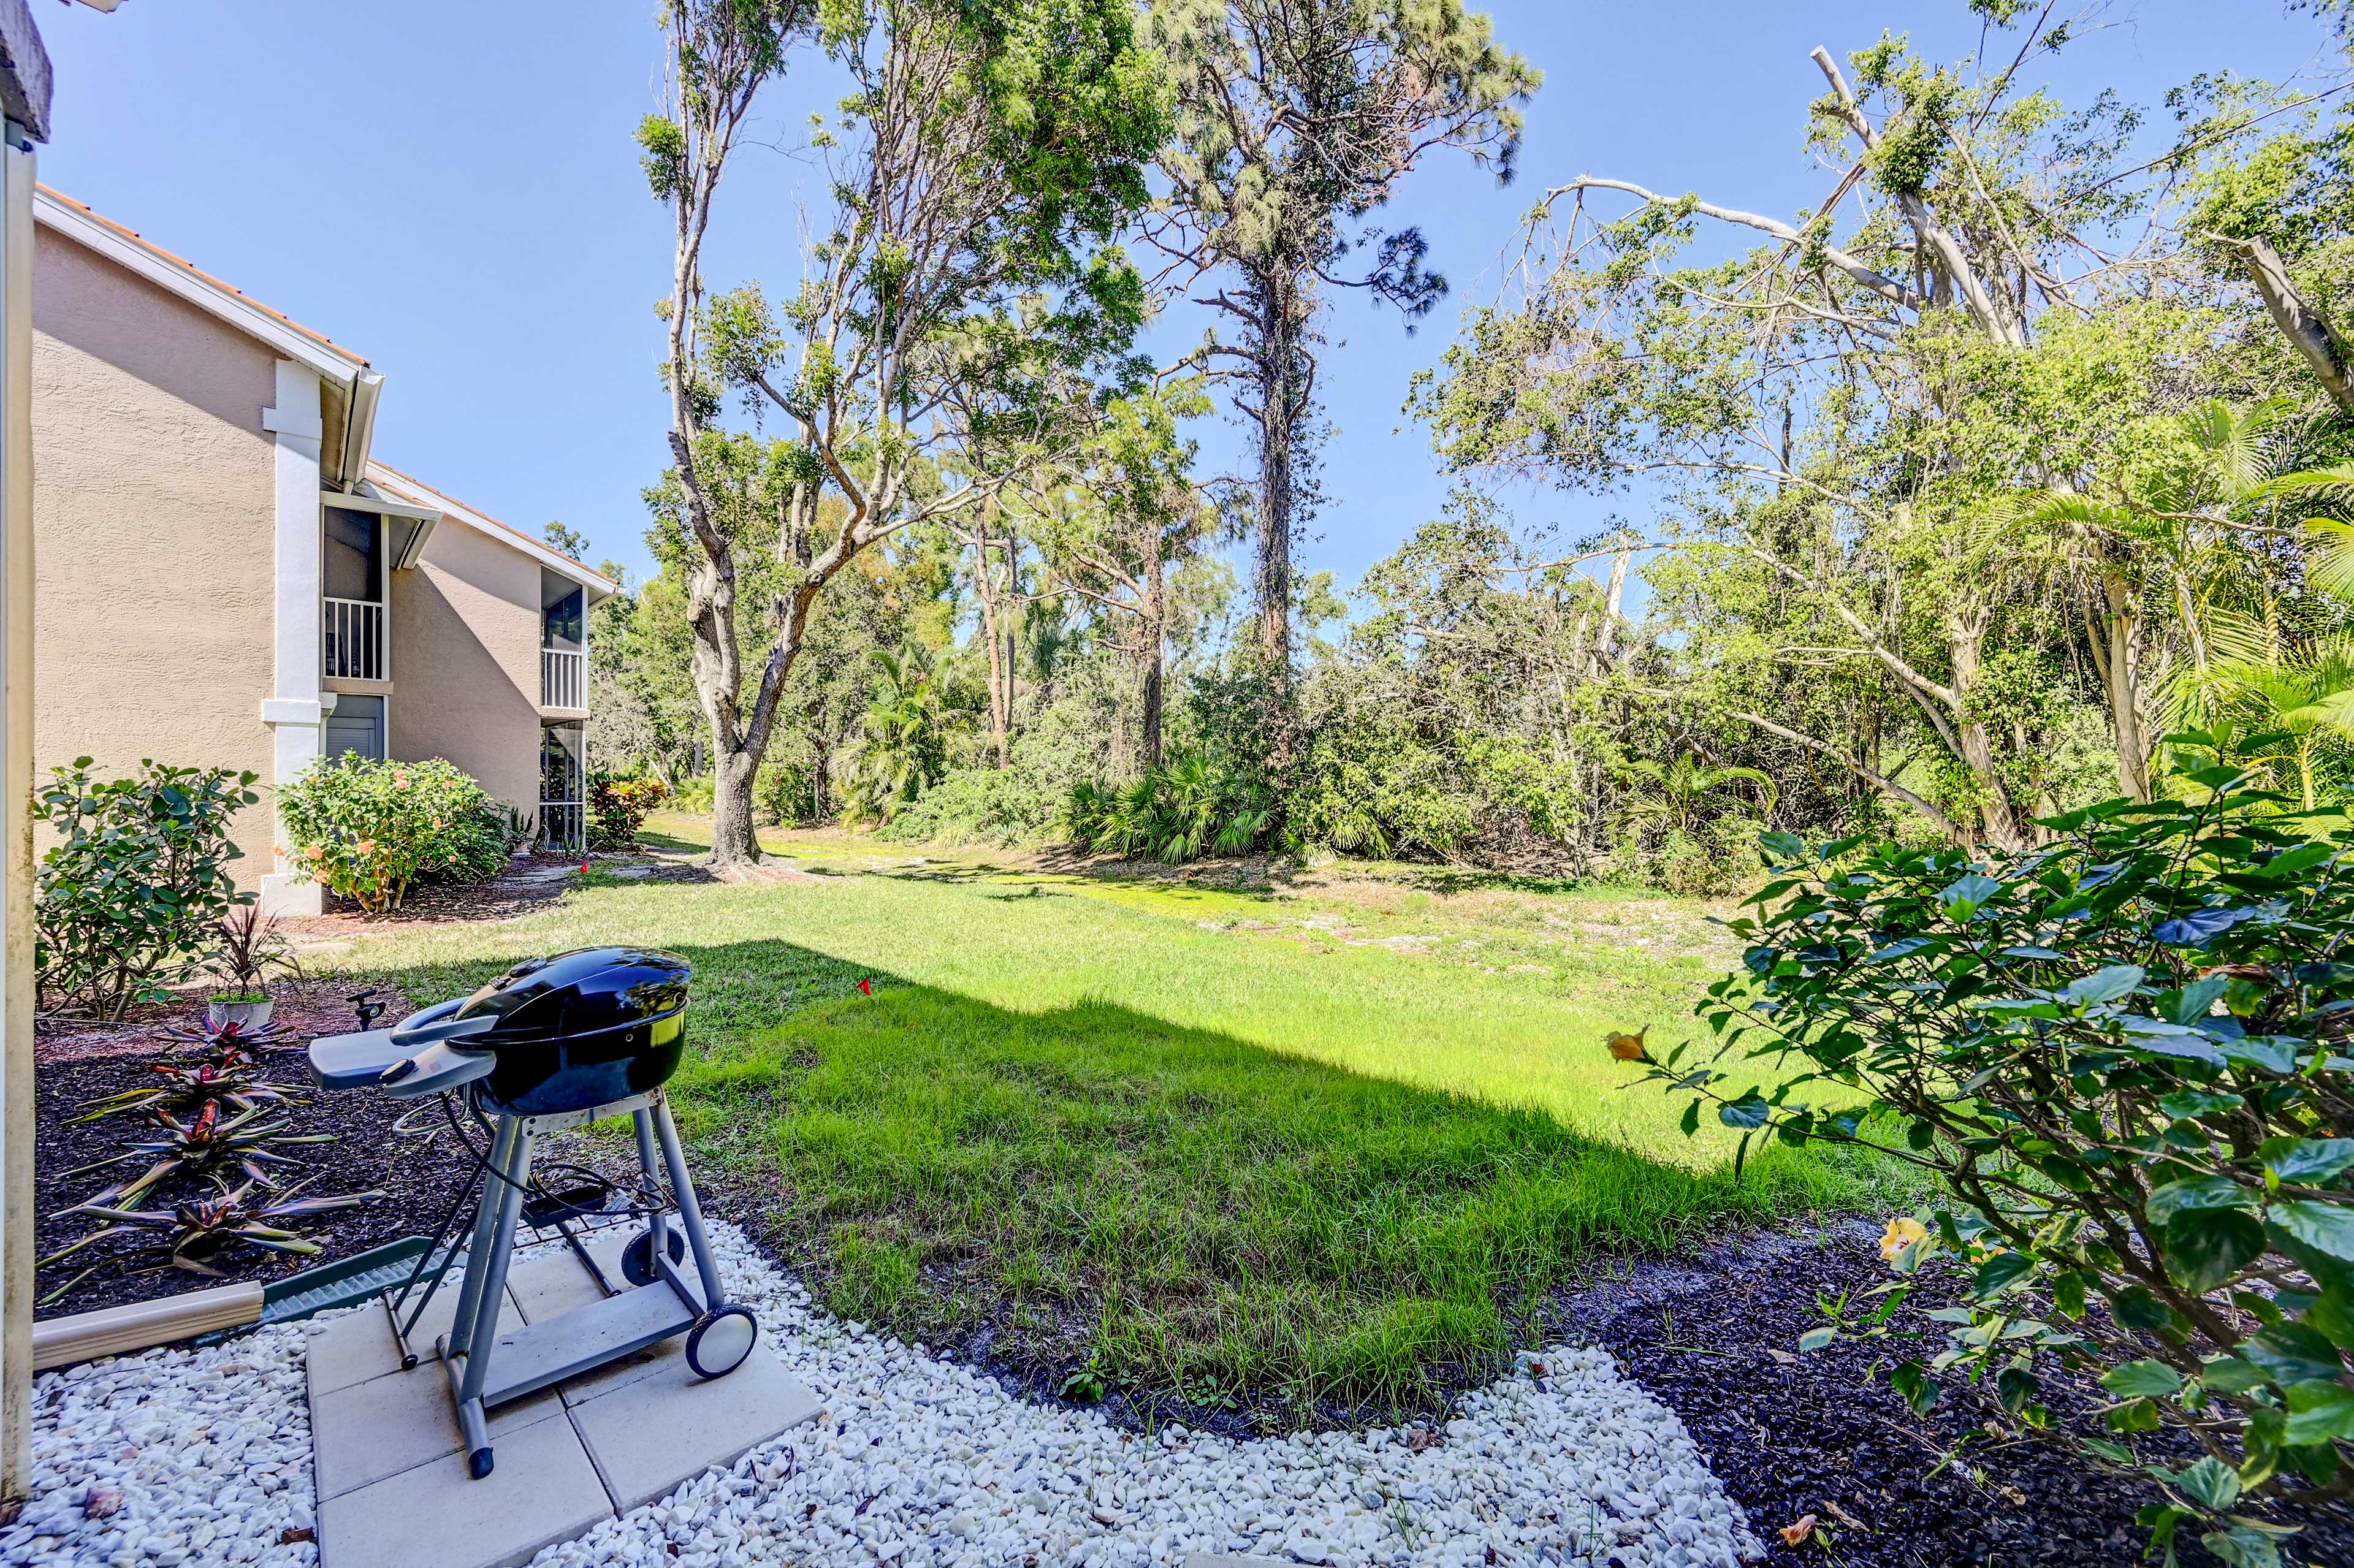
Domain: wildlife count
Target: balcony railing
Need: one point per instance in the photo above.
(354, 639)
(563, 679)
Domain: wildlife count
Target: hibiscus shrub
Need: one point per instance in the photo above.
(368, 829)
(2121, 1049)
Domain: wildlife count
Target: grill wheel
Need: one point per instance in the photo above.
(637, 1257)
(720, 1340)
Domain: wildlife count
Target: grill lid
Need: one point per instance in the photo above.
(584, 991)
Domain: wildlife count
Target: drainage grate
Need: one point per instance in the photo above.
(344, 1283)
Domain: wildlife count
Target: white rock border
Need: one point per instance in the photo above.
(202, 1457)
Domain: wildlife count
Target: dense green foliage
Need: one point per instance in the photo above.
(126, 898)
(1174, 813)
(366, 829)
(2120, 1051)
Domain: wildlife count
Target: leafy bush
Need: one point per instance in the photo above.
(2121, 1052)
(994, 805)
(784, 792)
(618, 807)
(902, 745)
(367, 829)
(1178, 813)
(129, 893)
(694, 794)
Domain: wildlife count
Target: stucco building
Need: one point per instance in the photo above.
(229, 576)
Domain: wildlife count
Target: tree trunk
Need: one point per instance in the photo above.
(999, 718)
(1614, 596)
(1012, 691)
(1997, 818)
(734, 840)
(1282, 374)
(1151, 639)
(2307, 331)
(2122, 671)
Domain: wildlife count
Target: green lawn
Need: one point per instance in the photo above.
(1325, 1138)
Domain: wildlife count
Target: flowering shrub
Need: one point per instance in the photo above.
(2121, 1049)
(129, 893)
(618, 807)
(367, 829)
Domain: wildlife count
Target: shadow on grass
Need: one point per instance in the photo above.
(1209, 1225)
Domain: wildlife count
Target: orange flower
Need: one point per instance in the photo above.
(1795, 1533)
(365, 846)
(1629, 1047)
(314, 852)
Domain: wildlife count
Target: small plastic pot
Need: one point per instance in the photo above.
(245, 1017)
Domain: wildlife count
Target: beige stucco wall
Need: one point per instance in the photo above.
(153, 507)
(465, 661)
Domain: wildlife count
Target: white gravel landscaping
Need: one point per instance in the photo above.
(203, 1457)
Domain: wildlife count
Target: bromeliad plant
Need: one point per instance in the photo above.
(204, 1226)
(2122, 1051)
(233, 1078)
(203, 1146)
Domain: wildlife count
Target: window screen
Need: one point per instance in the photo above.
(354, 554)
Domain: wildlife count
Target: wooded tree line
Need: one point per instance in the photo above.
(1960, 493)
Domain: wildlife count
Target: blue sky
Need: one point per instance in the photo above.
(449, 187)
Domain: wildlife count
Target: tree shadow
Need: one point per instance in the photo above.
(1216, 1231)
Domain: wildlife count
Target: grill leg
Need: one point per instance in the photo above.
(690, 1213)
(482, 1334)
(495, 1270)
(651, 1163)
(461, 1338)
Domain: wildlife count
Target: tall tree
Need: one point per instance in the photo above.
(1128, 517)
(1296, 119)
(1987, 305)
(2273, 181)
(985, 156)
(720, 54)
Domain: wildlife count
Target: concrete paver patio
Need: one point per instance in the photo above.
(392, 1482)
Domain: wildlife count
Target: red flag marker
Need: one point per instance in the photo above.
(868, 986)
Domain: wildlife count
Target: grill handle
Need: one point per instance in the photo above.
(437, 1068)
(433, 1023)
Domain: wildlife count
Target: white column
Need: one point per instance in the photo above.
(294, 710)
(15, 816)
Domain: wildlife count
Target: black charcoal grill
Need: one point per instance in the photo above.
(553, 1044)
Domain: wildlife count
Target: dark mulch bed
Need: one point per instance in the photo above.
(530, 881)
(1792, 1434)
(421, 1177)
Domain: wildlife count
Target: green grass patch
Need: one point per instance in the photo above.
(1327, 1140)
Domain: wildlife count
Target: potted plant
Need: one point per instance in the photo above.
(248, 948)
